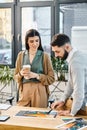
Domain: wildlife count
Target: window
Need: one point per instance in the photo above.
(6, 1)
(5, 35)
(32, 18)
(73, 22)
(33, 0)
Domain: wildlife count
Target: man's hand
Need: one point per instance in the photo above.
(57, 105)
(64, 113)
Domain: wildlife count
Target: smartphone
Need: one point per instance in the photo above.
(4, 117)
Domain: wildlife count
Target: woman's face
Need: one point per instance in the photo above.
(33, 43)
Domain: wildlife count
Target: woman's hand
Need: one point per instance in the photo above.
(24, 72)
(28, 74)
(33, 75)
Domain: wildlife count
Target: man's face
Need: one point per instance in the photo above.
(60, 52)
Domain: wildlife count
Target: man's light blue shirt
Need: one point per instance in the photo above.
(77, 82)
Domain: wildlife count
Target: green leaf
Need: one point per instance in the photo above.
(6, 74)
(60, 66)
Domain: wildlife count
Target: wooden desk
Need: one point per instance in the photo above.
(30, 123)
(24, 123)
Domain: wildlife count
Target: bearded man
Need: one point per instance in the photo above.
(77, 81)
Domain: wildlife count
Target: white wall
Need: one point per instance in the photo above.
(79, 37)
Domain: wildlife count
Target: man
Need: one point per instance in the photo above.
(77, 82)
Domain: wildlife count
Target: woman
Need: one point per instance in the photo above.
(33, 90)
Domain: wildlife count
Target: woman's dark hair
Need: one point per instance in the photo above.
(60, 40)
(32, 33)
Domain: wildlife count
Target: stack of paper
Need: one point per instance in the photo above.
(73, 124)
(4, 106)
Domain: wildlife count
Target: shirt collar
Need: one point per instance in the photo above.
(71, 55)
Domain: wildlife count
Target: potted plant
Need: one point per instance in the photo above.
(6, 74)
(60, 67)
(6, 77)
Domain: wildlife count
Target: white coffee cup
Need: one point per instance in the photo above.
(28, 68)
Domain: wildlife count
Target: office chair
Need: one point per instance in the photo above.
(10, 100)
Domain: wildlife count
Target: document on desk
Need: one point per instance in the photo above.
(33, 113)
(74, 124)
(4, 106)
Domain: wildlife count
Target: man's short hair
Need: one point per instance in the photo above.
(60, 40)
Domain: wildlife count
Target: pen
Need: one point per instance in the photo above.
(49, 111)
(55, 115)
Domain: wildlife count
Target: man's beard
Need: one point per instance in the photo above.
(65, 55)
